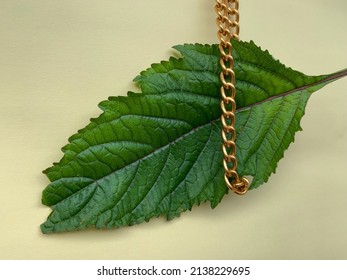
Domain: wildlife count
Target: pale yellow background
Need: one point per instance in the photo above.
(58, 59)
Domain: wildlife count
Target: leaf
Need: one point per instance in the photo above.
(159, 152)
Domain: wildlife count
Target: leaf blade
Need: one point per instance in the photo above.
(158, 153)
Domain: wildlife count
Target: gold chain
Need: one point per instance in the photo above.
(228, 24)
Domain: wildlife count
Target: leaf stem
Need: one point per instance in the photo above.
(327, 79)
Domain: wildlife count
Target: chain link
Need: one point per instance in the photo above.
(228, 28)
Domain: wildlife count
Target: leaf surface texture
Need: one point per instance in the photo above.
(158, 152)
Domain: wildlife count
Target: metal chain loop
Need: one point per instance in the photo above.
(228, 28)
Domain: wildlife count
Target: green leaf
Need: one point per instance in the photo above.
(159, 152)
